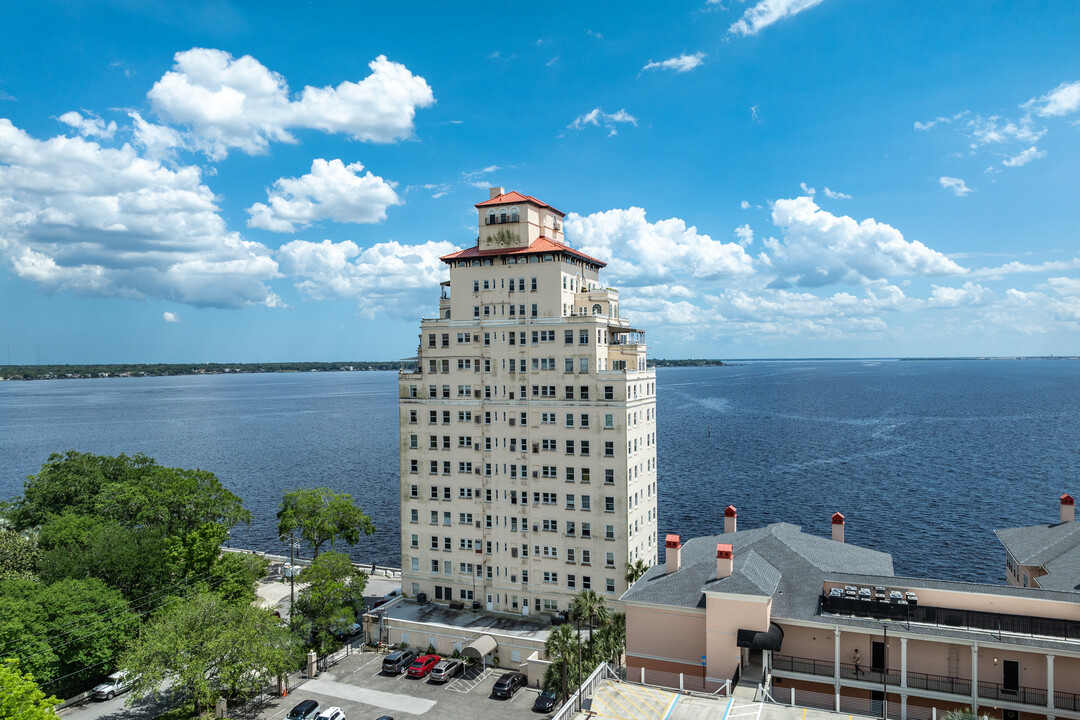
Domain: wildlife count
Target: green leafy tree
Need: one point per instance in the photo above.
(322, 515)
(77, 627)
(635, 570)
(561, 647)
(235, 576)
(210, 647)
(20, 696)
(20, 556)
(611, 639)
(330, 602)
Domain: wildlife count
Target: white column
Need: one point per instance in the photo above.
(975, 678)
(836, 665)
(903, 662)
(1050, 681)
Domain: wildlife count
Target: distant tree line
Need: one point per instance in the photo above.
(689, 362)
(51, 372)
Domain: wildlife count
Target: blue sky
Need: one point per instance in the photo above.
(786, 178)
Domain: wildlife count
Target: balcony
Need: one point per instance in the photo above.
(500, 219)
(960, 687)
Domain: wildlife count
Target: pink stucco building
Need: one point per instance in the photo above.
(829, 623)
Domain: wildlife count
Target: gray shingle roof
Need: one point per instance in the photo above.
(1055, 548)
(778, 561)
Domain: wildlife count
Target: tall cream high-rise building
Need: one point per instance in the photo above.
(528, 429)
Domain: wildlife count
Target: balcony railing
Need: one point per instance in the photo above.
(1019, 694)
(500, 219)
(939, 683)
(926, 681)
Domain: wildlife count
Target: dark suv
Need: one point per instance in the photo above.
(307, 710)
(508, 684)
(398, 661)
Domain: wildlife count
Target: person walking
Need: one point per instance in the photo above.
(857, 662)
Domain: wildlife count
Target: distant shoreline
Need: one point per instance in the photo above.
(112, 370)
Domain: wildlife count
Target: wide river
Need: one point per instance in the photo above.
(924, 459)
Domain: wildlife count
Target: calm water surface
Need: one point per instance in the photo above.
(924, 459)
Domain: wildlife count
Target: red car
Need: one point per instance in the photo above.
(422, 665)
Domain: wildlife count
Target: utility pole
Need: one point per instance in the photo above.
(292, 573)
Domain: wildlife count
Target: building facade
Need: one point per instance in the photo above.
(821, 623)
(528, 427)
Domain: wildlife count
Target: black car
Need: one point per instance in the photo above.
(307, 710)
(508, 684)
(398, 661)
(545, 703)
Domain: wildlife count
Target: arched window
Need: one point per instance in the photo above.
(513, 214)
(491, 217)
(596, 309)
(502, 216)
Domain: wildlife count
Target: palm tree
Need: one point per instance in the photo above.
(587, 604)
(612, 639)
(561, 643)
(635, 570)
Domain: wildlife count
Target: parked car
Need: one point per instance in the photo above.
(398, 661)
(508, 684)
(545, 703)
(422, 665)
(306, 710)
(396, 592)
(118, 682)
(446, 669)
(331, 713)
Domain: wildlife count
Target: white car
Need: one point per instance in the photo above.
(118, 682)
(331, 713)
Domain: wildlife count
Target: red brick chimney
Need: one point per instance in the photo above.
(730, 519)
(672, 553)
(725, 561)
(838, 527)
(1068, 508)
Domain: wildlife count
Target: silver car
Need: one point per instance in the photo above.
(118, 682)
(445, 670)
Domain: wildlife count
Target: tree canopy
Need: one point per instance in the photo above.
(211, 647)
(20, 696)
(330, 602)
(322, 515)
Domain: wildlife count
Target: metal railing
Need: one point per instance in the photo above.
(1066, 700)
(939, 683)
(1018, 694)
(827, 668)
(572, 705)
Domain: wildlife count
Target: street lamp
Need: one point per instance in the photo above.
(293, 547)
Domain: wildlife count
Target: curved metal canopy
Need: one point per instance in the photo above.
(771, 639)
(481, 646)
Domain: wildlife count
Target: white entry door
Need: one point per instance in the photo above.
(490, 602)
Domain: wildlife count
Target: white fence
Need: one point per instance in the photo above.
(573, 704)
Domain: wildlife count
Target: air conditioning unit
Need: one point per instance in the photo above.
(477, 419)
(476, 393)
(477, 471)
(536, 447)
(536, 473)
(511, 394)
(476, 446)
(477, 523)
(513, 421)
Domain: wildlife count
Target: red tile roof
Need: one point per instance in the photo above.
(541, 245)
(515, 197)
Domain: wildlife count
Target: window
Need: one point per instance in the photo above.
(569, 502)
(534, 310)
(609, 476)
(583, 364)
(412, 417)
(434, 517)
(586, 530)
(586, 582)
(551, 577)
(569, 447)
(414, 515)
(584, 394)
(609, 392)
(583, 337)
(414, 491)
(414, 541)
(585, 475)
(609, 421)
(568, 337)
(584, 447)
(586, 502)
(435, 545)
(610, 585)
(571, 527)
(609, 504)
(609, 559)
(568, 365)
(570, 582)
(446, 339)
(413, 466)
(532, 285)
(609, 532)
(586, 557)
(547, 418)
(569, 474)
(609, 448)
(433, 469)
(569, 392)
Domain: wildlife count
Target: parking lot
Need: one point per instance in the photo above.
(357, 685)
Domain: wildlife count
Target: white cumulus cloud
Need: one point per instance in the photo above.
(170, 317)
(956, 185)
(331, 191)
(835, 195)
(88, 125)
(108, 222)
(644, 253)
(226, 103)
(819, 248)
(682, 63)
(387, 278)
(1062, 100)
(745, 235)
(1023, 158)
(950, 297)
(767, 12)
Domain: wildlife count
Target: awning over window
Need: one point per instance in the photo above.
(481, 646)
(771, 639)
